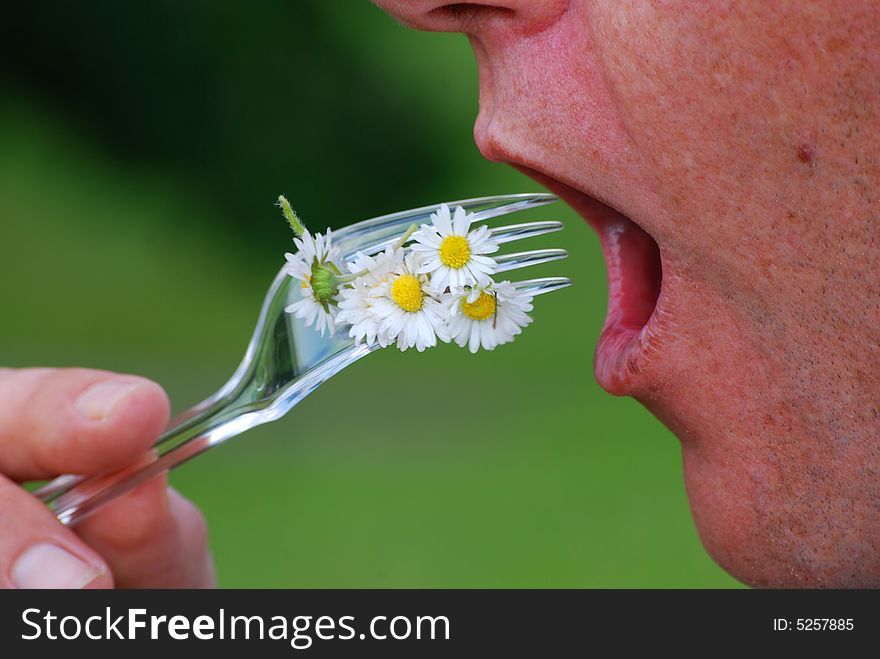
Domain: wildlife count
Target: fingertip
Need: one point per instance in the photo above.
(121, 417)
(137, 409)
(57, 563)
(36, 551)
(104, 581)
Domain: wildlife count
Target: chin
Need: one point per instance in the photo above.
(769, 537)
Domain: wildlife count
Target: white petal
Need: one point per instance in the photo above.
(483, 279)
(434, 262)
(427, 337)
(440, 278)
(461, 337)
(474, 340)
(427, 237)
(419, 246)
(442, 220)
(487, 338)
(486, 246)
(454, 279)
(427, 266)
(461, 222)
(479, 235)
(487, 261)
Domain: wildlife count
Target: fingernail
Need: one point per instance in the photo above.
(97, 402)
(49, 566)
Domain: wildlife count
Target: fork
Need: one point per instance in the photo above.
(285, 361)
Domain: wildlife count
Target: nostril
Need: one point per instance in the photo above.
(468, 9)
(465, 14)
(524, 17)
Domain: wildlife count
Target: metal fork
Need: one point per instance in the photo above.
(285, 361)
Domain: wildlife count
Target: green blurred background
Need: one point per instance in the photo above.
(141, 148)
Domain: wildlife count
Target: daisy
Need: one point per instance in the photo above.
(405, 308)
(314, 264)
(453, 255)
(488, 316)
(355, 305)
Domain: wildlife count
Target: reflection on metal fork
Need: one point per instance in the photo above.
(285, 361)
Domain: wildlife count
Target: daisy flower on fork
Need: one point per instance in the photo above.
(355, 304)
(488, 316)
(315, 265)
(453, 255)
(404, 306)
(434, 282)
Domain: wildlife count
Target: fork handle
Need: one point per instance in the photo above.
(244, 402)
(73, 498)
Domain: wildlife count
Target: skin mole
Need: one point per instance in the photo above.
(805, 152)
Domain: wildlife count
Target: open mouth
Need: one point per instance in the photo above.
(635, 278)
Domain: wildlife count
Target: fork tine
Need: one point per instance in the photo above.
(542, 285)
(523, 259)
(512, 232)
(502, 235)
(371, 236)
(526, 201)
(482, 208)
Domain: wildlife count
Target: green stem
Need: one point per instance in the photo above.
(347, 279)
(290, 215)
(409, 232)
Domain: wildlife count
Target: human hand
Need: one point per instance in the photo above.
(58, 421)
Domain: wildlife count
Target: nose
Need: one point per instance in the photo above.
(443, 16)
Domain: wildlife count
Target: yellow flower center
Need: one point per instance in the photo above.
(407, 292)
(455, 251)
(481, 308)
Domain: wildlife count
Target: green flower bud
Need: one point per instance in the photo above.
(325, 282)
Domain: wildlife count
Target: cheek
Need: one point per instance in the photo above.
(690, 82)
(723, 103)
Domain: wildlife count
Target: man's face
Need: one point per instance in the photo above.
(728, 154)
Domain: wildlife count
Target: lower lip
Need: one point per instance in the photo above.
(634, 265)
